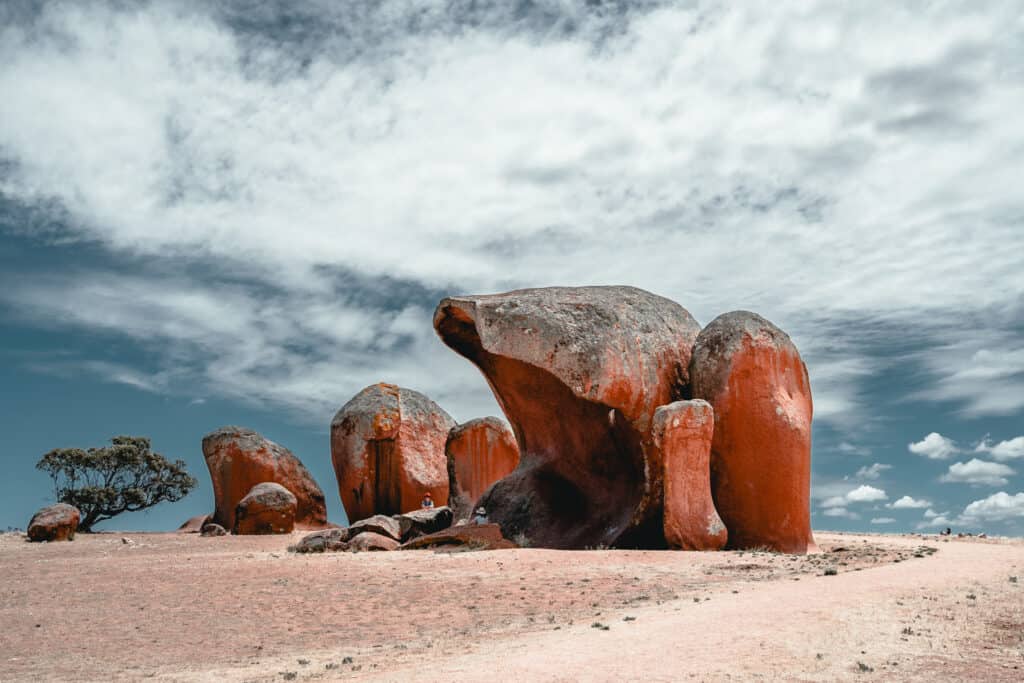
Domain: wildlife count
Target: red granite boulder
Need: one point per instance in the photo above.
(752, 375)
(387, 446)
(480, 452)
(682, 433)
(478, 536)
(578, 373)
(239, 459)
(57, 522)
(268, 508)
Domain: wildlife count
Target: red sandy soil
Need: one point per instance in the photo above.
(181, 607)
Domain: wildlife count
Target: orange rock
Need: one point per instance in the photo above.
(387, 446)
(57, 522)
(480, 452)
(578, 372)
(268, 508)
(752, 375)
(682, 432)
(239, 459)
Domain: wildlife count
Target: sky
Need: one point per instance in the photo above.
(245, 212)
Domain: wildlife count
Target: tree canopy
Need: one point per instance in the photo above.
(124, 477)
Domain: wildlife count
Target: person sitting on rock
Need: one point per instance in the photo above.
(428, 501)
(480, 516)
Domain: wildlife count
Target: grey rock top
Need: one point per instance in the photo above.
(247, 440)
(391, 399)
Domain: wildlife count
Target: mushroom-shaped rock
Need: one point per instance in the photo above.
(328, 540)
(752, 375)
(424, 521)
(212, 529)
(682, 433)
(57, 522)
(369, 541)
(378, 524)
(268, 508)
(479, 536)
(387, 446)
(578, 372)
(480, 452)
(239, 458)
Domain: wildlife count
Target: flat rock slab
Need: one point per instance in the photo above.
(378, 524)
(328, 540)
(484, 536)
(369, 541)
(425, 521)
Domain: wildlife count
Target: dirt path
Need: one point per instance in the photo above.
(178, 607)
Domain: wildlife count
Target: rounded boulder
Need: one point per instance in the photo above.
(57, 522)
(268, 508)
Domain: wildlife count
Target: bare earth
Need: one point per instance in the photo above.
(181, 607)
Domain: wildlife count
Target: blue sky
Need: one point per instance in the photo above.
(245, 214)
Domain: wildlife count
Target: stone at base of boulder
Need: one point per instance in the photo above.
(369, 541)
(329, 540)
(213, 529)
(194, 525)
(480, 536)
(268, 508)
(425, 521)
(377, 524)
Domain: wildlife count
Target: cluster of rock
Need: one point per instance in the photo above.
(638, 428)
(413, 530)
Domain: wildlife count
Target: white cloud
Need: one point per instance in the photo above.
(874, 471)
(1011, 449)
(781, 150)
(882, 520)
(935, 446)
(908, 503)
(996, 508)
(851, 449)
(865, 494)
(978, 472)
(840, 512)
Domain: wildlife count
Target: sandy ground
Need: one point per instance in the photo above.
(181, 607)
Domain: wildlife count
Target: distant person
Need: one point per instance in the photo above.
(428, 501)
(480, 516)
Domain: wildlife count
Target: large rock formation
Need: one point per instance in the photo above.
(387, 445)
(268, 508)
(752, 375)
(480, 452)
(682, 433)
(240, 458)
(578, 373)
(57, 522)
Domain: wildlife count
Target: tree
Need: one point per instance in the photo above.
(124, 477)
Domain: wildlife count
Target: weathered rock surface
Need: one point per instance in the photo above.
(328, 540)
(194, 525)
(57, 522)
(480, 536)
(268, 508)
(211, 529)
(378, 524)
(480, 452)
(387, 446)
(752, 375)
(239, 458)
(424, 521)
(369, 541)
(682, 433)
(578, 373)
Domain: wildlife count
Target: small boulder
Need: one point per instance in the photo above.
(378, 524)
(479, 452)
(328, 540)
(424, 521)
(240, 458)
(268, 508)
(681, 432)
(194, 525)
(211, 529)
(479, 536)
(54, 523)
(370, 541)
